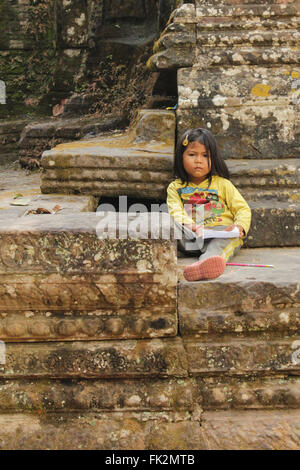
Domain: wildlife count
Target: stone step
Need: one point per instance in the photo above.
(245, 173)
(246, 322)
(234, 357)
(251, 430)
(268, 195)
(141, 395)
(96, 359)
(138, 163)
(10, 131)
(218, 324)
(37, 137)
(59, 280)
(229, 9)
(265, 173)
(68, 204)
(259, 393)
(274, 224)
(245, 430)
(16, 182)
(251, 302)
(101, 431)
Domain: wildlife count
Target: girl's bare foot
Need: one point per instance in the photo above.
(209, 268)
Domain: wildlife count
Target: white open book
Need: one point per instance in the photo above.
(211, 233)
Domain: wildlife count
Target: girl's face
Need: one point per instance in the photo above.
(196, 162)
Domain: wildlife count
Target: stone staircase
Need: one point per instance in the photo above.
(92, 359)
(104, 344)
(238, 75)
(108, 347)
(137, 163)
(241, 336)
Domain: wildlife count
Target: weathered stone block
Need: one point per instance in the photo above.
(105, 359)
(46, 396)
(252, 430)
(105, 431)
(204, 323)
(254, 141)
(256, 393)
(236, 86)
(73, 22)
(60, 280)
(241, 357)
(252, 113)
(154, 126)
(137, 164)
(274, 223)
(243, 290)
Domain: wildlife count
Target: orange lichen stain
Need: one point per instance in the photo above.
(261, 90)
(295, 74)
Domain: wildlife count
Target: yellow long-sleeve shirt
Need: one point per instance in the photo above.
(223, 204)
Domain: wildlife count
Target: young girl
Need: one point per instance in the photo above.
(203, 179)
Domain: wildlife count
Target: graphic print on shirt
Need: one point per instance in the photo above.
(196, 197)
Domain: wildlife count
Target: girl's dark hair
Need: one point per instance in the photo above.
(205, 137)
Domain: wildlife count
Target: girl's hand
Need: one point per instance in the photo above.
(231, 227)
(196, 228)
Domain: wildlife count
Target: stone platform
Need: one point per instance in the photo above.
(103, 344)
(138, 163)
(104, 350)
(26, 185)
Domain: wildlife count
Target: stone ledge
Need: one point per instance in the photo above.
(260, 393)
(261, 303)
(265, 10)
(251, 430)
(154, 321)
(108, 166)
(246, 289)
(245, 430)
(102, 431)
(236, 357)
(76, 243)
(97, 359)
(201, 323)
(67, 396)
(68, 204)
(61, 279)
(274, 224)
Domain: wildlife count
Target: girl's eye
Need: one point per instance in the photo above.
(191, 154)
(194, 155)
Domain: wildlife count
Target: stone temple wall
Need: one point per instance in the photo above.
(37, 40)
(47, 47)
(69, 58)
(238, 73)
